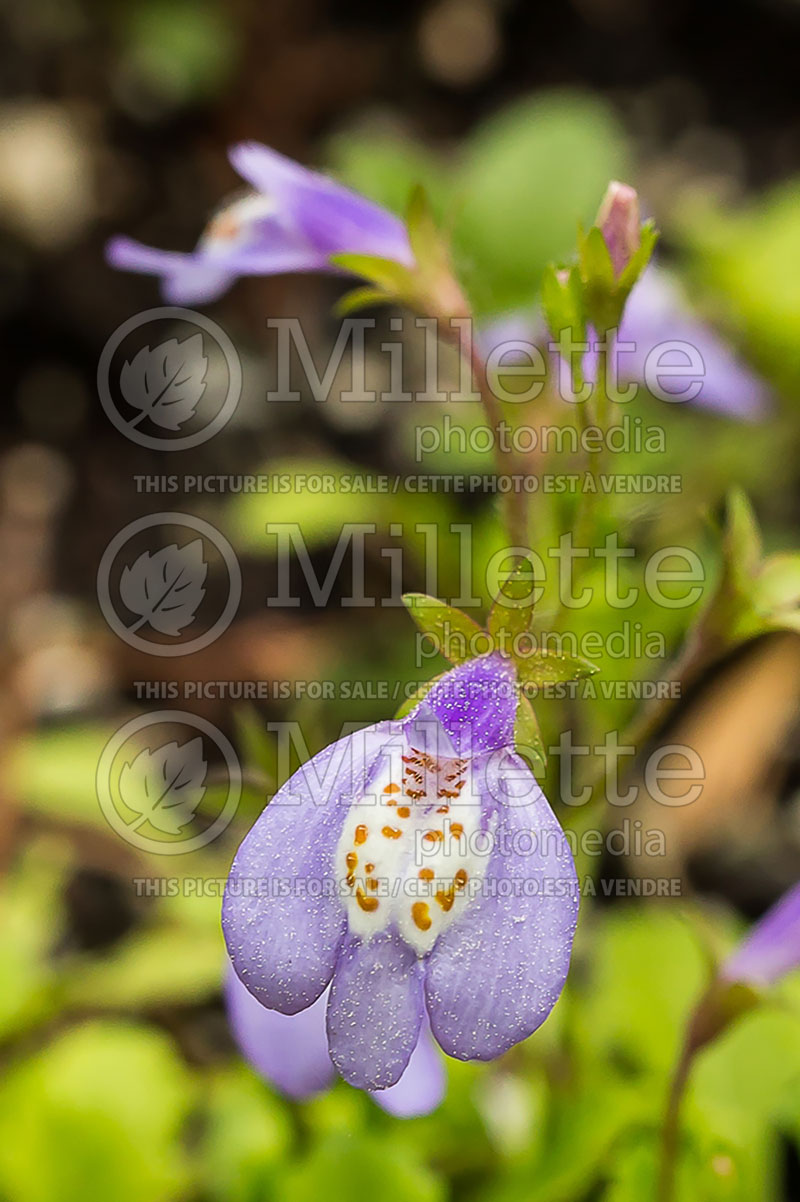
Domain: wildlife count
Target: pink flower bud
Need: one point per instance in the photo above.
(620, 224)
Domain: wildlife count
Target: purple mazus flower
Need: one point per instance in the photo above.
(656, 313)
(293, 220)
(772, 947)
(417, 869)
(290, 1051)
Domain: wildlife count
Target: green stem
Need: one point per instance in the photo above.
(670, 1130)
(515, 504)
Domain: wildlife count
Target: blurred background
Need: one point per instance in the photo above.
(119, 1072)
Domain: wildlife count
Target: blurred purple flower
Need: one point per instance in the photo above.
(772, 948)
(293, 221)
(417, 868)
(620, 224)
(290, 1051)
(658, 313)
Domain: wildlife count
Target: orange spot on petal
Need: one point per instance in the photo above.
(421, 915)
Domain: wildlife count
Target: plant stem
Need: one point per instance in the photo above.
(670, 1131)
(515, 499)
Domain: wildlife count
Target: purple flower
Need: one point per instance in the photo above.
(620, 224)
(657, 313)
(291, 1052)
(294, 220)
(772, 948)
(417, 868)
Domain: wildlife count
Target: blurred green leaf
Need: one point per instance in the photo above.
(342, 1168)
(247, 1136)
(158, 967)
(30, 924)
(99, 1111)
(528, 175)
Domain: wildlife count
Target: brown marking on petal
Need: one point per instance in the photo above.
(443, 810)
(434, 836)
(369, 867)
(446, 897)
(461, 878)
(415, 794)
(426, 874)
(368, 904)
(421, 915)
(372, 883)
(403, 812)
(456, 830)
(392, 788)
(391, 832)
(361, 834)
(351, 859)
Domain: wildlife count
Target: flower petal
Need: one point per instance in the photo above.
(421, 1087)
(375, 1010)
(331, 217)
(475, 705)
(656, 313)
(773, 946)
(282, 920)
(288, 1050)
(495, 975)
(186, 279)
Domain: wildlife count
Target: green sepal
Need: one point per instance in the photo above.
(512, 611)
(386, 274)
(420, 691)
(550, 667)
(527, 736)
(453, 630)
(562, 302)
(361, 298)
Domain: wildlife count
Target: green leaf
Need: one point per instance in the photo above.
(30, 926)
(98, 1112)
(456, 636)
(343, 1168)
(528, 737)
(165, 966)
(247, 1136)
(526, 175)
(551, 667)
